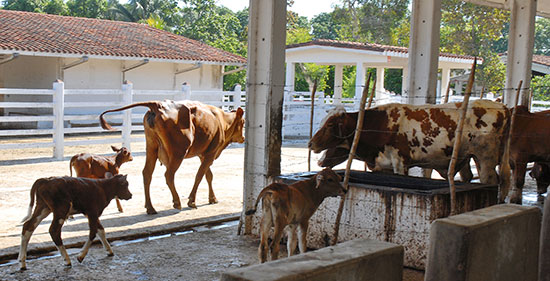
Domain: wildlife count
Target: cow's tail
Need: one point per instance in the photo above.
(260, 196)
(35, 186)
(71, 163)
(152, 105)
(505, 173)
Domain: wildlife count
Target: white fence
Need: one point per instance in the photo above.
(73, 111)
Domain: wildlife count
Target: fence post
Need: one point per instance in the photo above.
(185, 93)
(127, 97)
(237, 96)
(58, 114)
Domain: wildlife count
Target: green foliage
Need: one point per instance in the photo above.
(87, 8)
(541, 87)
(542, 36)
(324, 27)
(393, 80)
(36, 6)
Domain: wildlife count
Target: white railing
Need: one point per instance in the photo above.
(59, 112)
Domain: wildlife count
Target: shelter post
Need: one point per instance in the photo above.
(445, 78)
(290, 76)
(379, 82)
(338, 76)
(185, 93)
(127, 93)
(424, 51)
(237, 93)
(58, 114)
(264, 104)
(520, 49)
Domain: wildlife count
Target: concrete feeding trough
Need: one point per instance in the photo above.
(392, 208)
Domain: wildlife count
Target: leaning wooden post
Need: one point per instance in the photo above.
(446, 99)
(371, 97)
(458, 138)
(358, 130)
(311, 117)
(482, 93)
(505, 163)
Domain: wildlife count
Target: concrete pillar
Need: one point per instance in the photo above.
(290, 76)
(379, 82)
(424, 51)
(359, 80)
(544, 250)
(338, 76)
(445, 78)
(405, 81)
(127, 97)
(58, 119)
(265, 80)
(520, 50)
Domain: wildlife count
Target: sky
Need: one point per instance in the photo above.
(307, 8)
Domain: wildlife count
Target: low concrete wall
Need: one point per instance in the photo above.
(496, 243)
(352, 260)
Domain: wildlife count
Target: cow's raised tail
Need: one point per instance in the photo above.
(152, 105)
(33, 195)
(263, 193)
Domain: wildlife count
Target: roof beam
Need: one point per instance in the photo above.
(10, 58)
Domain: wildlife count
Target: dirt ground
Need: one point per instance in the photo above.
(182, 258)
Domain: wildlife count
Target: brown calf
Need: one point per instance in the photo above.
(65, 196)
(293, 205)
(93, 166)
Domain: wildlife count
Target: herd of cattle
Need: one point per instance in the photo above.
(394, 138)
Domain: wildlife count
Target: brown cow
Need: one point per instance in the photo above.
(530, 135)
(93, 166)
(400, 136)
(65, 196)
(293, 205)
(541, 173)
(176, 130)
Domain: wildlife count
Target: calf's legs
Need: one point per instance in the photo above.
(150, 161)
(204, 167)
(95, 227)
(40, 212)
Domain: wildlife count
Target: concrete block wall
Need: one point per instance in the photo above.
(495, 243)
(352, 260)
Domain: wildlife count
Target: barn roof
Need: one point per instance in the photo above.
(51, 35)
(540, 59)
(383, 49)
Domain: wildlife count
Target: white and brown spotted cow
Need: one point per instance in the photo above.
(400, 136)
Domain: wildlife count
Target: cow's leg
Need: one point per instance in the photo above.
(265, 227)
(93, 222)
(466, 173)
(278, 227)
(211, 197)
(519, 181)
(169, 175)
(40, 212)
(427, 173)
(150, 161)
(118, 205)
(303, 236)
(60, 213)
(103, 239)
(292, 239)
(205, 165)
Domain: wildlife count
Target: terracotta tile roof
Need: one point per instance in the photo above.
(540, 59)
(367, 47)
(32, 32)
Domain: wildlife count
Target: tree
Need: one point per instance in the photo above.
(324, 27)
(36, 6)
(542, 36)
(541, 87)
(87, 8)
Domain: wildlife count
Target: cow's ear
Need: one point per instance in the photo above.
(240, 112)
(114, 148)
(108, 175)
(319, 178)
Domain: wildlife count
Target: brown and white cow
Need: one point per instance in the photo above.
(65, 196)
(529, 143)
(93, 166)
(399, 136)
(293, 205)
(176, 130)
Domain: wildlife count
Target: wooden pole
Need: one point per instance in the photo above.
(458, 138)
(311, 122)
(369, 105)
(482, 92)
(446, 99)
(351, 155)
(505, 163)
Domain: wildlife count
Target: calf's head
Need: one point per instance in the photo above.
(331, 133)
(123, 154)
(333, 156)
(120, 183)
(327, 182)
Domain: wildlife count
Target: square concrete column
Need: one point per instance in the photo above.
(290, 76)
(338, 76)
(424, 51)
(379, 82)
(405, 81)
(265, 85)
(520, 50)
(544, 251)
(359, 80)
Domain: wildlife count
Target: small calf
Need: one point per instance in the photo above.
(65, 196)
(293, 205)
(541, 173)
(93, 166)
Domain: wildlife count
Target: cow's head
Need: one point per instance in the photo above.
(123, 154)
(121, 187)
(331, 133)
(327, 183)
(333, 156)
(238, 124)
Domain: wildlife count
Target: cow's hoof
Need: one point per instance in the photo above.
(192, 205)
(177, 205)
(80, 259)
(110, 254)
(120, 211)
(213, 201)
(151, 211)
(515, 200)
(70, 265)
(23, 268)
